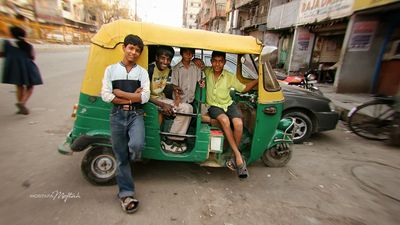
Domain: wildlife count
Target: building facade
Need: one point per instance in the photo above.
(370, 56)
(248, 17)
(60, 21)
(212, 15)
(190, 10)
(353, 44)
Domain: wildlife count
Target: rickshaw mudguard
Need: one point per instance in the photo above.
(283, 133)
(91, 138)
(82, 142)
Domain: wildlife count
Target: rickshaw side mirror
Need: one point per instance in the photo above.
(267, 50)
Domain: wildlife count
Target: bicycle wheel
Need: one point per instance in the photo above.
(372, 120)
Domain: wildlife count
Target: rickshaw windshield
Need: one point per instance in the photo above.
(270, 81)
(249, 71)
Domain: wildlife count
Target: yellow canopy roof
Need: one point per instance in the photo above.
(366, 4)
(113, 33)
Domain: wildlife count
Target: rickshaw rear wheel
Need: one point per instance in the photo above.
(277, 157)
(99, 166)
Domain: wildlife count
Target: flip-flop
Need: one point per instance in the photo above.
(126, 204)
(242, 171)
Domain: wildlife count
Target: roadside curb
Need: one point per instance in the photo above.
(43, 47)
(342, 111)
(343, 103)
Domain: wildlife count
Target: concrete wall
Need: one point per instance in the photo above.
(356, 71)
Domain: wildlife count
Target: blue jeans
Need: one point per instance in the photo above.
(127, 137)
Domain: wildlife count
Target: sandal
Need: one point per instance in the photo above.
(231, 164)
(22, 109)
(242, 171)
(129, 204)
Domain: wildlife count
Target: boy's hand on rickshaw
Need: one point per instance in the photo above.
(177, 100)
(167, 109)
(178, 91)
(199, 63)
(202, 83)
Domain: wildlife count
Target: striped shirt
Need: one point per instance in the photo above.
(117, 72)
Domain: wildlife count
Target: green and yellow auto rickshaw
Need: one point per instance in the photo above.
(265, 135)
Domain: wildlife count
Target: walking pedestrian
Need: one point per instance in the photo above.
(19, 67)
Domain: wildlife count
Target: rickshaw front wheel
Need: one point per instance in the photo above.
(99, 166)
(277, 156)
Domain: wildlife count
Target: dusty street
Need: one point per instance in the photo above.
(336, 178)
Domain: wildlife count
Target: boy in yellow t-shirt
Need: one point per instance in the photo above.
(222, 108)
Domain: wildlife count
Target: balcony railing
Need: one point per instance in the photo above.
(256, 20)
(240, 3)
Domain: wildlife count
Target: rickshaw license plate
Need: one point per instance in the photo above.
(216, 141)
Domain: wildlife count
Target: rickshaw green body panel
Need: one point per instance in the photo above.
(92, 119)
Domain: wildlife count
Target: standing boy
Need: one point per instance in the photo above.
(222, 108)
(127, 86)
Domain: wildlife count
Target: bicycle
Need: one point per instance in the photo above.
(374, 119)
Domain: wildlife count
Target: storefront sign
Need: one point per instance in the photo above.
(303, 40)
(366, 4)
(362, 35)
(302, 49)
(318, 10)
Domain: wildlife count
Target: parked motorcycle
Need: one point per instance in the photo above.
(307, 81)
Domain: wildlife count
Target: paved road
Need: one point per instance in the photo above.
(336, 178)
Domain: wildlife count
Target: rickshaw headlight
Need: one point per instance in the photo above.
(74, 111)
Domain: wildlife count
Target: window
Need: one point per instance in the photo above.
(66, 5)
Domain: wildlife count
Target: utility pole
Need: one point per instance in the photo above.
(135, 10)
(232, 16)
